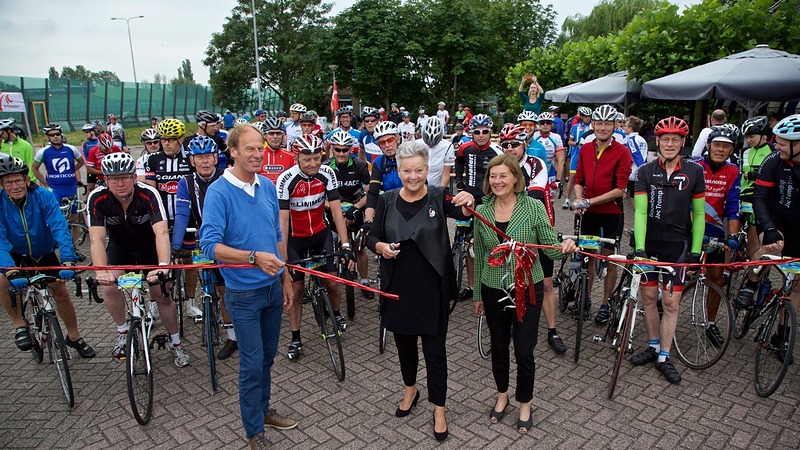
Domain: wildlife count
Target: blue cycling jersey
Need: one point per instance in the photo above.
(60, 164)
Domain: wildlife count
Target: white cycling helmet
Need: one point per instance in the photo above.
(341, 138)
(298, 108)
(527, 116)
(545, 117)
(605, 113)
(385, 128)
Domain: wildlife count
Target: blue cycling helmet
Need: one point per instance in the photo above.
(788, 128)
(260, 112)
(481, 120)
(201, 145)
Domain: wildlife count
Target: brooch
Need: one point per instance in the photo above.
(431, 212)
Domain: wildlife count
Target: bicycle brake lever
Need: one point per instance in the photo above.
(78, 287)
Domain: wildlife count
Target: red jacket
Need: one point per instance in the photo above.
(601, 174)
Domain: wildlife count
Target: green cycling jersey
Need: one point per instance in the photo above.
(751, 162)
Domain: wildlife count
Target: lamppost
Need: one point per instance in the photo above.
(130, 41)
(255, 41)
(333, 68)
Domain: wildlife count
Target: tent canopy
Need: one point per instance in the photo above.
(612, 88)
(560, 95)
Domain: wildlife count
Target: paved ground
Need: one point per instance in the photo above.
(716, 408)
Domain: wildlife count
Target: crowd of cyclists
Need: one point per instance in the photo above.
(328, 184)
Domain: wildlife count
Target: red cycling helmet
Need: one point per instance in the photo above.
(104, 141)
(512, 131)
(672, 124)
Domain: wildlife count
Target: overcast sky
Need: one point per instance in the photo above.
(59, 33)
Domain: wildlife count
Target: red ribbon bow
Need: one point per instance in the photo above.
(523, 270)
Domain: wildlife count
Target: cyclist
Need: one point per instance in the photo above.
(554, 149)
(722, 202)
(575, 134)
(292, 126)
(353, 176)
(203, 153)
(369, 149)
(209, 124)
(441, 153)
(308, 124)
(117, 132)
(601, 181)
(15, 146)
(88, 144)
(130, 213)
(152, 144)
(638, 147)
(31, 226)
(558, 123)
(105, 146)
(344, 116)
(443, 115)
(756, 133)
(276, 158)
(406, 127)
(458, 136)
(667, 230)
(302, 193)
(527, 119)
(776, 196)
(421, 118)
(384, 175)
(261, 115)
(472, 159)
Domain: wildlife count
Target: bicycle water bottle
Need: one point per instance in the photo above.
(763, 290)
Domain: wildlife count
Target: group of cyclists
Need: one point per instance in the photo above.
(139, 210)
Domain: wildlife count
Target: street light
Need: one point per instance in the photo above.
(333, 68)
(130, 41)
(255, 42)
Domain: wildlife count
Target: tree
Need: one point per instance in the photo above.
(185, 75)
(289, 57)
(607, 17)
(52, 73)
(82, 73)
(159, 79)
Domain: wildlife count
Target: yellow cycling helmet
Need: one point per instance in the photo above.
(171, 128)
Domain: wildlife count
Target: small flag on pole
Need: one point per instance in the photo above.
(334, 100)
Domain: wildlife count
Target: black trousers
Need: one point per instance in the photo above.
(503, 325)
(433, 348)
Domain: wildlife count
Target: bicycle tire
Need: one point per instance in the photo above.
(381, 329)
(562, 282)
(624, 337)
(29, 314)
(350, 296)
(582, 285)
(209, 322)
(177, 292)
(332, 337)
(139, 372)
(60, 357)
(459, 258)
(742, 317)
(768, 355)
(692, 346)
(484, 339)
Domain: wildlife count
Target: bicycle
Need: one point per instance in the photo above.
(572, 280)
(693, 345)
(38, 310)
(459, 252)
(627, 310)
(774, 345)
(484, 338)
(77, 228)
(138, 343)
(317, 295)
(358, 244)
(737, 275)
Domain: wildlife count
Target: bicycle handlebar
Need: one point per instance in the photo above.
(311, 258)
(586, 236)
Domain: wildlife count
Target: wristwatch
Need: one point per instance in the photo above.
(251, 258)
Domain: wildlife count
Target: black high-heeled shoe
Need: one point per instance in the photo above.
(405, 412)
(438, 436)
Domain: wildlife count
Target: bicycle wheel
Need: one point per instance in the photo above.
(773, 351)
(381, 329)
(459, 259)
(622, 339)
(82, 243)
(350, 295)
(484, 339)
(139, 372)
(332, 336)
(211, 335)
(177, 292)
(59, 357)
(582, 286)
(692, 343)
(33, 320)
(742, 317)
(561, 282)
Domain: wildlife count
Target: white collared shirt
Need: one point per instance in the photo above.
(247, 187)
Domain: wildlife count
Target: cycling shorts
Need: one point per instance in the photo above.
(62, 192)
(48, 260)
(299, 248)
(717, 256)
(573, 159)
(666, 251)
(118, 256)
(547, 264)
(604, 225)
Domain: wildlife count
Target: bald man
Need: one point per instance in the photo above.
(718, 117)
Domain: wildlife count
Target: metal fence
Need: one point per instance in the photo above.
(73, 103)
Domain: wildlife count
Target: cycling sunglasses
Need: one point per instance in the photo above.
(388, 140)
(510, 144)
(341, 149)
(483, 131)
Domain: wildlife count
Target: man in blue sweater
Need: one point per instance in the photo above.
(241, 226)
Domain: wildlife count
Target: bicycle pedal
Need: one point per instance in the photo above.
(161, 340)
(197, 319)
(597, 338)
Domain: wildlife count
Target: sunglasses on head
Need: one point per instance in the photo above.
(388, 140)
(510, 144)
(341, 149)
(483, 131)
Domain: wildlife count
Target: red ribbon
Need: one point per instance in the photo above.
(523, 271)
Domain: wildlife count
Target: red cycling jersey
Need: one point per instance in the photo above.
(305, 198)
(601, 172)
(275, 163)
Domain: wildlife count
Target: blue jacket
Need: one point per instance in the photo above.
(233, 218)
(36, 232)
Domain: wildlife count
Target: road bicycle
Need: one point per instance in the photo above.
(460, 250)
(702, 303)
(572, 280)
(139, 342)
(77, 227)
(317, 295)
(737, 275)
(37, 307)
(212, 314)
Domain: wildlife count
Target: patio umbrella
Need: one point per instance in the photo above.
(752, 78)
(560, 95)
(612, 88)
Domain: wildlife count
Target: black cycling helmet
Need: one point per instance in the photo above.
(272, 124)
(10, 165)
(206, 116)
(756, 125)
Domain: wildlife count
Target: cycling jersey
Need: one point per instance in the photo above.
(96, 156)
(140, 170)
(638, 147)
(722, 196)
(776, 196)
(352, 132)
(406, 131)
(536, 149)
(440, 156)
(293, 131)
(351, 178)
(189, 204)
(370, 145)
(384, 178)
(474, 160)
(275, 163)
(221, 145)
(669, 199)
(130, 229)
(600, 172)
(576, 133)
(534, 171)
(304, 197)
(60, 164)
(166, 171)
(552, 144)
(752, 158)
(88, 145)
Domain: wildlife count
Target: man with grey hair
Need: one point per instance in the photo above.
(717, 118)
